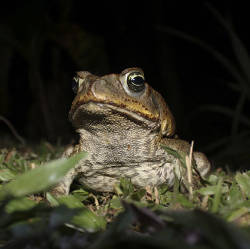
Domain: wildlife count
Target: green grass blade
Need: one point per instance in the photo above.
(84, 217)
(40, 178)
(6, 175)
(217, 196)
(238, 213)
(244, 182)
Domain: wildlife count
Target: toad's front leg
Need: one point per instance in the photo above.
(63, 187)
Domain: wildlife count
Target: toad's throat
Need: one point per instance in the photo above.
(93, 113)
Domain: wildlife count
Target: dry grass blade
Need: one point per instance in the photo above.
(95, 200)
(189, 171)
(157, 197)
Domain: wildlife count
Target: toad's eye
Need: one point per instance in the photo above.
(75, 84)
(136, 82)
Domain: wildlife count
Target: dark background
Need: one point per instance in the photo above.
(42, 44)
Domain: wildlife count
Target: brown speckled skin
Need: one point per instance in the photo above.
(122, 131)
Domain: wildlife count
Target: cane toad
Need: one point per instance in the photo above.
(123, 123)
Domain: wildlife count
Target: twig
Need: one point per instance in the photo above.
(189, 171)
(13, 130)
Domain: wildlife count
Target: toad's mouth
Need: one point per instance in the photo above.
(92, 113)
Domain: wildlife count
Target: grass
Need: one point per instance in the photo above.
(214, 214)
(30, 217)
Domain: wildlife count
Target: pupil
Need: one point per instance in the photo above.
(74, 85)
(136, 83)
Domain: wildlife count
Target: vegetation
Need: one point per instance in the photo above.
(216, 216)
(234, 147)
